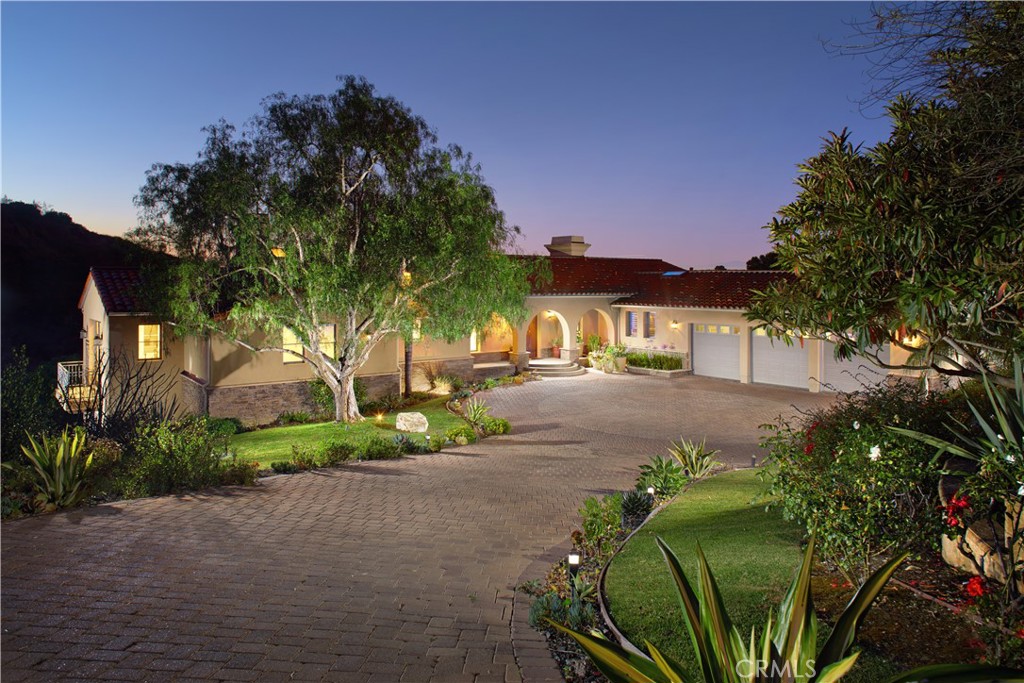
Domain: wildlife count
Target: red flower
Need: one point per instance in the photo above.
(976, 587)
(809, 448)
(1020, 633)
(959, 503)
(975, 644)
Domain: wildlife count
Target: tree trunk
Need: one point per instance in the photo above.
(345, 407)
(408, 369)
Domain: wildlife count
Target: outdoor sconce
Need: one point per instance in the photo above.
(278, 252)
(674, 325)
(550, 314)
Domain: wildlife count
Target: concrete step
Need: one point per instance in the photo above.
(553, 368)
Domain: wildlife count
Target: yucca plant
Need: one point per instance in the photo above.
(695, 458)
(60, 466)
(664, 474)
(785, 652)
(476, 410)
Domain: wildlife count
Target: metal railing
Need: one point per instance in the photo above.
(70, 374)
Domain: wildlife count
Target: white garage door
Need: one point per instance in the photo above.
(775, 362)
(716, 351)
(854, 374)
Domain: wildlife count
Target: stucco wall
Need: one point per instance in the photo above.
(124, 340)
(568, 311)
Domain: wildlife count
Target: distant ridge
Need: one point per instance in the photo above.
(44, 259)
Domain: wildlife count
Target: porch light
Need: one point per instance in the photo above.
(278, 252)
(550, 314)
(674, 324)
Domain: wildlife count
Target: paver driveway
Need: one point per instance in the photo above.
(397, 571)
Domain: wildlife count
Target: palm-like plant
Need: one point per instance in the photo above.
(476, 411)
(786, 651)
(695, 458)
(60, 466)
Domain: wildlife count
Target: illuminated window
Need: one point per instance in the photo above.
(291, 342)
(761, 332)
(712, 329)
(699, 328)
(149, 342)
(648, 325)
(728, 329)
(474, 343)
(631, 323)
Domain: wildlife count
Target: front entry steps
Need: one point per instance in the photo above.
(553, 367)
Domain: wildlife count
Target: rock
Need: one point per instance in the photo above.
(411, 422)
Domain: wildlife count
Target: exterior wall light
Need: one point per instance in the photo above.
(674, 325)
(550, 314)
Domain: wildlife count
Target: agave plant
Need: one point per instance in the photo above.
(664, 474)
(476, 411)
(695, 458)
(785, 652)
(60, 468)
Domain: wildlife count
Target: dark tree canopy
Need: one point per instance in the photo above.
(769, 261)
(919, 238)
(331, 209)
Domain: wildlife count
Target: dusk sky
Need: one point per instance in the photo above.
(669, 130)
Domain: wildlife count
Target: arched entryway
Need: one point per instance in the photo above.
(547, 332)
(595, 326)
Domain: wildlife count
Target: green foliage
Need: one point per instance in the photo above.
(461, 435)
(616, 350)
(495, 425)
(284, 467)
(664, 474)
(379, 448)
(655, 361)
(224, 426)
(239, 472)
(27, 403)
(476, 412)
(332, 452)
(787, 649)
(602, 521)
(695, 458)
(18, 489)
(636, 505)
(297, 417)
(305, 457)
(410, 446)
(60, 465)
(919, 235)
(548, 606)
(173, 456)
(862, 488)
(594, 343)
(323, 397)
(375, 227)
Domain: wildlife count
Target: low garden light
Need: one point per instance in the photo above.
(753, 461)
(380, 416)
(650, 491)
(574, 563)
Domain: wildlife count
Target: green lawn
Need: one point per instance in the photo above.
(268, 445)
(753, 554)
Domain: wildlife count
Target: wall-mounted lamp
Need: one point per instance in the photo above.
(674, 324)
(550, 314)
(278, 252)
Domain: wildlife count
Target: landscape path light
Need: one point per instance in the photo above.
(574, 569)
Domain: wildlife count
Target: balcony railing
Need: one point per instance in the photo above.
(75, 389)
(70, 374)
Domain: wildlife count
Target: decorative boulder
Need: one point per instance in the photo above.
(411, 422)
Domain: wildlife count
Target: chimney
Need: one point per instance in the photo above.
(567, 245)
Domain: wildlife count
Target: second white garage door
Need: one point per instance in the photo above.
(774, 362)
(716, 351)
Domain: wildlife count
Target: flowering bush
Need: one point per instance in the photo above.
(865, 489)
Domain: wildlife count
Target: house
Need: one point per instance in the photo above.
(645, 304)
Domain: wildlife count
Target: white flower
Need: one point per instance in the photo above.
(1020, 491)
(875, 453)
(856, 425)
(1010, 457)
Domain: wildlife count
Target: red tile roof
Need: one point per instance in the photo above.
(119, 288)
(596, 276)
(703, 288)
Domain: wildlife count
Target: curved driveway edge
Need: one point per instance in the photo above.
(396, 571)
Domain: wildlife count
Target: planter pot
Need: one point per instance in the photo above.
(556, 352)
(620, 364)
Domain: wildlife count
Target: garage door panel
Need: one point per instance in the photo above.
(854, 374)
(714, 353)
(775, 362)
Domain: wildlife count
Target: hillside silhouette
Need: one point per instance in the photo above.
(44, 260)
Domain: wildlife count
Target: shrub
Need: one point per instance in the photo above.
(297, 417)
(284, 467)
(379, 448)
(323, 397)
(664, 474)
(60, 465)
(409, 446)
(655, 361)
(304, 457)
(495, 425)
(435, 442)
(695, 458)
(593, 343)
(462, 435)
(18, 489)
(602, 521)
(865, 489)
(636, 505)
(224, 426)
(27, 404)
(106, 456)
(173, 456)
(461, 394)
(332, 453)
(236, 472)
(547, 607)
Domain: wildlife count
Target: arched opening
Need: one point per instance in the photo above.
(548, 331)
(595, 327)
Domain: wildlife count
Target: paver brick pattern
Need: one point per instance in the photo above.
(382, 571)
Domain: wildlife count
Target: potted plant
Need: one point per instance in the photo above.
(593, 343)
(617, 353)
(556, 348)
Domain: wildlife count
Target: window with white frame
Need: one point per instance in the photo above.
(149, 342)
(632, 323)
